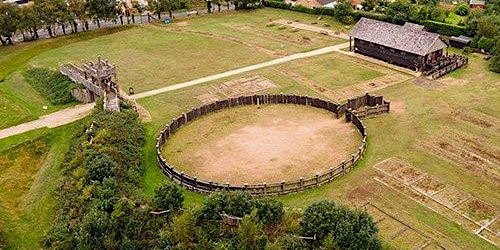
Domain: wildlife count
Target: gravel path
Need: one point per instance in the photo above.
(77, 112)
(53, 120)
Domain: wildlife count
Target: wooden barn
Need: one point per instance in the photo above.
(409, 46)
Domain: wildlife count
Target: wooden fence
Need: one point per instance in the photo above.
(366, 106)
(202, 186)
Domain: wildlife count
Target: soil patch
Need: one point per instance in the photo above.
(478, 210)
(398, 107)
(428, 185)
(270, 144)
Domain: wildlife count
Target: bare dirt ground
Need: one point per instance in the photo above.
(269, 144)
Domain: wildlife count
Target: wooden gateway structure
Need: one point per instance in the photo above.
(98, 78)
(409, 46)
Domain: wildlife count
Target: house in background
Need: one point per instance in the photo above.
(477, 4)
(409, 46)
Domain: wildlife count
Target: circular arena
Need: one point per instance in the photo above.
(248, 143)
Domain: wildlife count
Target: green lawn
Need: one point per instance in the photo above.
(454, 18)
(29, 172)
(252, 27)
(19, 102)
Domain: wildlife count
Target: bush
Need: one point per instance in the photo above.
(350, 229)
(462, 9)
(52, 85)
(444, 28)
(485, 44)
(168, 197)
(359, 14)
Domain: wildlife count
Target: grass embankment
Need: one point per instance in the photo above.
(29, 173)
(19, 102)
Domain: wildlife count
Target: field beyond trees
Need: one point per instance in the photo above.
(429, 177)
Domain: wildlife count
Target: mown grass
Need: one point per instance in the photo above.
(19, 102)
(148, 58)
(29, 172)
(253, 27)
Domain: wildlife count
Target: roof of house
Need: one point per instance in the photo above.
(325, 2)
(477, 2)
(462, 39)
(413, 26)
(399, 37)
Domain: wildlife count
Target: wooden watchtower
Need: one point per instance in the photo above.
(103, 74)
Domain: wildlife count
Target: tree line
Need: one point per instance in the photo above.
(100, 205)
(38, 15)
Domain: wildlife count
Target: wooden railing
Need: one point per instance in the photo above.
(203, 186)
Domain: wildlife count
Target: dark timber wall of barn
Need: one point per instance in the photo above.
(397, 57)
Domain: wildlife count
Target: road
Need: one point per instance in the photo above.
(139, 19)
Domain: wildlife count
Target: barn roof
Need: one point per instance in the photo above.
(405, 38)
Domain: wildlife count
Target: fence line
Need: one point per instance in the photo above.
(202, 186)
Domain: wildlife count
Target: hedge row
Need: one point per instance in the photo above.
(443, 28)
(51, 84)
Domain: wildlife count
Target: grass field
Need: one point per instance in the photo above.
(29, 171)
(446, 130)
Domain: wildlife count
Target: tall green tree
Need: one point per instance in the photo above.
(29, 22)
(103, 10)
(169, 6)
(251, 234)
(401, 11)
(9, 21)
(343, 12)
(80, 10)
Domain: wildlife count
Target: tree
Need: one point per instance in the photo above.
(462, 9)
(29, 22)
(488, 26)
(183, 231)
(168, 197)
(343, 12)
(486, 44)
(401, 11)
(495, 60)
(159, 6)
(50, 12)
(9, 21)
(250, 234)
(350, 229)
(269, 211)
(79, 9)
(233, 203)
(102, 10)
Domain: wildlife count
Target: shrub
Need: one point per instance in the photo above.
(359, 14)
(52, 85)
(350, 229)
(462, 9)
(444, 28)
(485, 44)
(168, 197)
